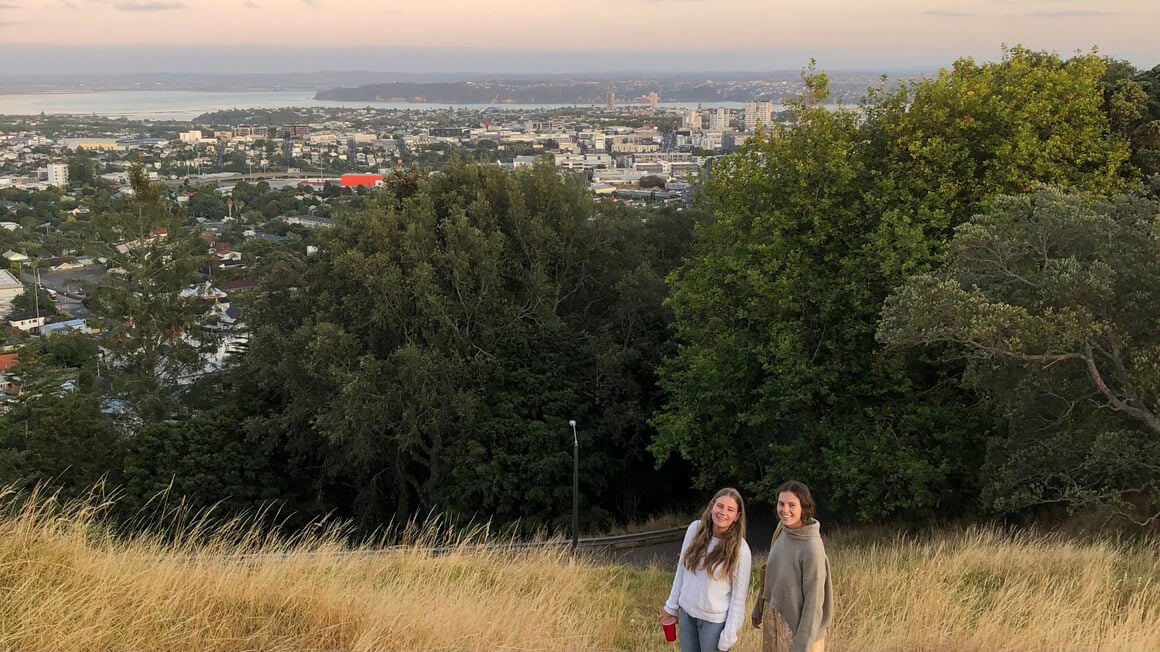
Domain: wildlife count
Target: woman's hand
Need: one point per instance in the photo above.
(665, 614)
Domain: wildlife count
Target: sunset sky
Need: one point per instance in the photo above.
(63, 36)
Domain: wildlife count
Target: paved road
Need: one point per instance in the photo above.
(67, 280)
(759, 529)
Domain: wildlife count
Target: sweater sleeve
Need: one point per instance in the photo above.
(671, 605)
(815, 595)
(737, 595)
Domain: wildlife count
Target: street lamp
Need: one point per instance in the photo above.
(575, 486)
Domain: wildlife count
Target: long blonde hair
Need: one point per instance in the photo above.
(722, 560)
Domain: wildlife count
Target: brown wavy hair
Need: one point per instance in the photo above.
(805, 499)
(722, 560)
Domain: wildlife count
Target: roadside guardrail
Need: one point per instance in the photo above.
(617, 541)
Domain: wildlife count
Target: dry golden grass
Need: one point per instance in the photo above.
(67, 584)
(981, 590)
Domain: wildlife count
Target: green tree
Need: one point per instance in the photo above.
(32, 301)
(1053, 297)
(207, 461)
(53, 436)
(207, 203)
(67, 445)
(152, 314)
(813, 223)
(433, 351)
(1132, 100)
(652, 181)
(82, 169)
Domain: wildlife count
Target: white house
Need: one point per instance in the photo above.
(10, 288)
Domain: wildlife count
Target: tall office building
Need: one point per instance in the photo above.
(691, 119)
(758, 114)
(719, 120)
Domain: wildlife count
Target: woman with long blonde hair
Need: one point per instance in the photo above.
(712, 577)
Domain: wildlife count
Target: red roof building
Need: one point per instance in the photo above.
(351, 180)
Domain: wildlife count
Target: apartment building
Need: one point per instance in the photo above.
(583, 161)
(758, 114)
(719, 120)
(57, 174)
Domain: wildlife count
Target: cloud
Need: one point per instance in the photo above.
(250, 4)
(947, 14)
(1069, 14)
(9, 5)
(150, 5)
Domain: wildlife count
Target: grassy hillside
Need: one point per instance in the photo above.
(65, 583)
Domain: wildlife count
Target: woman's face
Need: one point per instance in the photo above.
(724, 514)
(789, 510)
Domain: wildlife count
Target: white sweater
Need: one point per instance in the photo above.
(714, 599)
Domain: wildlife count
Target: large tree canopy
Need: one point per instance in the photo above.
(779, 374)
(433, 352)
(1055, 298)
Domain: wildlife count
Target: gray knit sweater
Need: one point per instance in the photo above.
(797, 583)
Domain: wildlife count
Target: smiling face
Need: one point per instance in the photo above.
(789, 510)
(725, 513)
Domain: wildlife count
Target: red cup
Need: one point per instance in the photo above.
(669, 623)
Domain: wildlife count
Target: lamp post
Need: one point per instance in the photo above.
(575, 486)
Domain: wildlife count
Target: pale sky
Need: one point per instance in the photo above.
(700, 34)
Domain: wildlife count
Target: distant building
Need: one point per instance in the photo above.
(758, 114)
(691, 119)
(583, 161)
(649, 157)
(92, 143)
(77, 325)
(10, 288)
(352, 180)
(719, 120)
(57, 175)
(7, 362)
(449, 132)
(309, 221)
(27, 322)
(16, 257)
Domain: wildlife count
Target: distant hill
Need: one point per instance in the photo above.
(775, 88)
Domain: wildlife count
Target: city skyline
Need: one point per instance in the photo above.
(131, 36)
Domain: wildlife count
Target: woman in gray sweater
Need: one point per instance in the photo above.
(796, 601)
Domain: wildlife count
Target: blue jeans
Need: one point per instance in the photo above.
(696, 635)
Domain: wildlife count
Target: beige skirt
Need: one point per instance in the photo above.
(776, 636)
